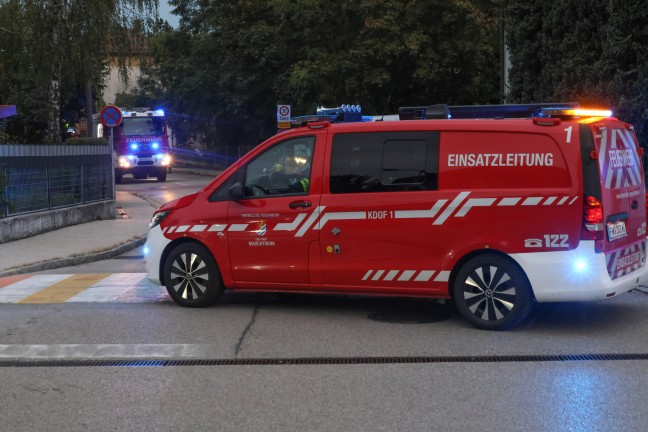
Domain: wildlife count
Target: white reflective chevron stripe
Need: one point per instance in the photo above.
(424, 276)
(405, 275)
(531, 201)
(474, 202)
(291, 226)
(420, 214)
(313, 217)
(237, 227)
(318, 218)
(391, 275)
(339, 216)
(443, 276)
(550, 200)
(509, 201)
(378, 274)
(452, 207)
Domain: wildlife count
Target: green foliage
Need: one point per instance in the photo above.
(589, 52)
(88, 141)
(51, 50)
(230, 63)
(132, 100)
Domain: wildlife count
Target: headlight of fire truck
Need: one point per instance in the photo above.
(124, 162)
(165, 159)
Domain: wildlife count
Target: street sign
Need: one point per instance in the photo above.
(111, 116)
(283, 116)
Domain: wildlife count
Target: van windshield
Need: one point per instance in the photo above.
(143, 126)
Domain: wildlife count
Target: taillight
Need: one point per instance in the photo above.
(592, 219)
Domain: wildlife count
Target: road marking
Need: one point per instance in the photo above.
(65, 289)
(105, 351)
(13, 293)
(109, 289)
(86, 288)
(11, 280)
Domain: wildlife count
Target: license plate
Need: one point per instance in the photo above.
(616, 230)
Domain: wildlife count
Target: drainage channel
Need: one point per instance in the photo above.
(318, 361)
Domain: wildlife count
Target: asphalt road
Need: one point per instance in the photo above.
(363, 363)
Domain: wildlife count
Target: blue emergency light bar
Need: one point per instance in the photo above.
(353, 113)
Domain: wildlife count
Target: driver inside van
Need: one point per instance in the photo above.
(294, 169)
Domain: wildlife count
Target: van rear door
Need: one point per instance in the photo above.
(622, 195)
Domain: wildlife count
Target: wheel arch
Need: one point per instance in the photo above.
(479, 252)
(175, 243)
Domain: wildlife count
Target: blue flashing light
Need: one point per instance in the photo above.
(134, 146)
(159, 112)
(580, 266)
(145, 250)
(155, 145)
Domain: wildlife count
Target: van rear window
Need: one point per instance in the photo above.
(384, 162)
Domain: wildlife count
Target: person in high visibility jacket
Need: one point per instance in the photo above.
(296, 165)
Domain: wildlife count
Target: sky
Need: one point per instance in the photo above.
(165, 13)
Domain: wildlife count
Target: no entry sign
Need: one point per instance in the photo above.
(111, 116)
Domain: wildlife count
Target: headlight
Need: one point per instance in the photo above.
(157, 218)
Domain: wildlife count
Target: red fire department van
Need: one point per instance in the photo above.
(538, 203)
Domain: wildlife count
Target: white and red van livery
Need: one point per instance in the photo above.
(494, 213)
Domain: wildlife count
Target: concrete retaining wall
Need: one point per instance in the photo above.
(26, 225)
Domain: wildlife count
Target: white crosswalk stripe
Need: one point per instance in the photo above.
(114, 288)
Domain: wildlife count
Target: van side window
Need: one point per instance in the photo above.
(283, 169)
(384, 162)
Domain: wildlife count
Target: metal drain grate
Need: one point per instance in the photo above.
(320, 361)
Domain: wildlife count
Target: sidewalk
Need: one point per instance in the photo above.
(82, 243)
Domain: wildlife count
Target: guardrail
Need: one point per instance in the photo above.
(41, 177)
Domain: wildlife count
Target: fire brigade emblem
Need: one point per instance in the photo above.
(261, 228)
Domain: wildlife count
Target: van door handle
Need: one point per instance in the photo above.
(300, 204)
(635, 204)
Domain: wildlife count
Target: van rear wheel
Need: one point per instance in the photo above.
(492, 293)
(191, 276)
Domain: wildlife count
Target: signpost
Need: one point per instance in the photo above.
(111, 116)
(283, 116)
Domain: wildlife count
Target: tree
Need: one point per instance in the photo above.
(52, 50)
(588, 52)
(230, 63)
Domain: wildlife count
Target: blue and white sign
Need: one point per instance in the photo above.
(283, 116)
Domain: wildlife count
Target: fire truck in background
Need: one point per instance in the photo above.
(140, 144)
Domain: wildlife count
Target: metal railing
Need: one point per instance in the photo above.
(38, 177)
(219, 158)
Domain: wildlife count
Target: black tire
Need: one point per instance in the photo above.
(492, 293)
(162, 174)
(118, 178)
(191, 276)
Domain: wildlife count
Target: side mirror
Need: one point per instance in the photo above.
(235, 192)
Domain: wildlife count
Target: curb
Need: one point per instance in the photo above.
(75, 260)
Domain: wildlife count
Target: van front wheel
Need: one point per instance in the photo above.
(191, 276)
(492, 293)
